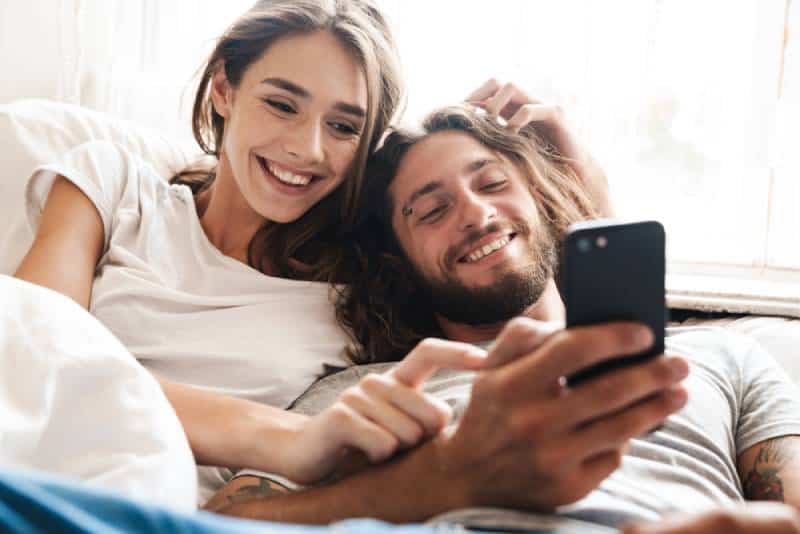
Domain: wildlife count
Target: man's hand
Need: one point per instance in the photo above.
(519, 110)
(526, 441)
(756, 518)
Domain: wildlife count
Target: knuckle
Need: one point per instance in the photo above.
(389, 445)
(426, 345)
(374, 383)
(350, 396)
(527, 425)
(413, 434)
(340, 416)
(565, 337)
(519, 326)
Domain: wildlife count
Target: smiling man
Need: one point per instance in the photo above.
(468, 215)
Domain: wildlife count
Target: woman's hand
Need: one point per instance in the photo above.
(382, 414)
(518, 110)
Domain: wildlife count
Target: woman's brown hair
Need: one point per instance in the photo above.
(383, 308)
(308, 248)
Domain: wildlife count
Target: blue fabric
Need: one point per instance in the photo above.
(34, 502)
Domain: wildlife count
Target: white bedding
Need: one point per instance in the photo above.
(74, 401)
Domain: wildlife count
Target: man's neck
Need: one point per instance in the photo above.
(547, 308)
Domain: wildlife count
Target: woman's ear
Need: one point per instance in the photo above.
(221, 92)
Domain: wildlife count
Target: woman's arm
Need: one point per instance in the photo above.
(68, 244)
(221, 430)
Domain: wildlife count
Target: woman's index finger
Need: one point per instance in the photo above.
(433, 354)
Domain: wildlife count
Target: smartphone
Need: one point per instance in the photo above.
(613, 271)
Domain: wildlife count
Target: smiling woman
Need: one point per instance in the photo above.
(288, 142)
(247, 94)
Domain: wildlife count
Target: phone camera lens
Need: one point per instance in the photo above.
(584, 245)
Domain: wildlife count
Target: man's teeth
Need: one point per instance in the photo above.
(289, 177)
(485, 250)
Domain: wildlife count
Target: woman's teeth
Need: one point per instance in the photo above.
(289, 177)
(487, 249)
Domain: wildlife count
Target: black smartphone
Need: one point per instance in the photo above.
(615, 272)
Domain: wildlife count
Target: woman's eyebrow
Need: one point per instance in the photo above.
(302, 92)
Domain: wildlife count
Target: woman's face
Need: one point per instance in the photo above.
(293, 124)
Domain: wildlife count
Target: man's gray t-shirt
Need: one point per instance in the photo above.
(738, 397)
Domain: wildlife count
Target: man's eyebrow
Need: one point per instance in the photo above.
(426, 189)
(302, 92)
(478, 164)
(434, 185)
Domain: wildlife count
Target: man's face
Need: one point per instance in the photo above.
(467, 222)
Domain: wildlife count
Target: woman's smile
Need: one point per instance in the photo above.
(285, 180)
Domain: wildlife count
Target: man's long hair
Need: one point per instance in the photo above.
(384, 307)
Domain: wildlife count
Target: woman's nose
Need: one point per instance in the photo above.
(304, 143)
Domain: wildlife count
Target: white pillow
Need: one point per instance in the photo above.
(35, 132)
(75, 402)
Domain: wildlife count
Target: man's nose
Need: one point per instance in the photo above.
(303, 142)
(475, 212)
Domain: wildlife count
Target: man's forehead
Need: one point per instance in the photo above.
(435, 158)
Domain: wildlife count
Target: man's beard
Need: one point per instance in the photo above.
(513, 292)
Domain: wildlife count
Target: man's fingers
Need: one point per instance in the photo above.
(520, 336)
(614, 431)
(613, 391)
(573, 349)
(433, 354)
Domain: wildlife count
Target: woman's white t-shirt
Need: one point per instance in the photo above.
(186, 311)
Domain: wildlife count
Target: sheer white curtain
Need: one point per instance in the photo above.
(135, 59)
(692, 108)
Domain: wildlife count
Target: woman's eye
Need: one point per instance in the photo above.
(280, 106)
(344, 128)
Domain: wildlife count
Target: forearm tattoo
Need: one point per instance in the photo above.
(763, 482)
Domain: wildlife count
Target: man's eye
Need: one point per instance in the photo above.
(433, 215)
(280, 106)
(494, 186)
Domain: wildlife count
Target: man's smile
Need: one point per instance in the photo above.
(485, 247)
